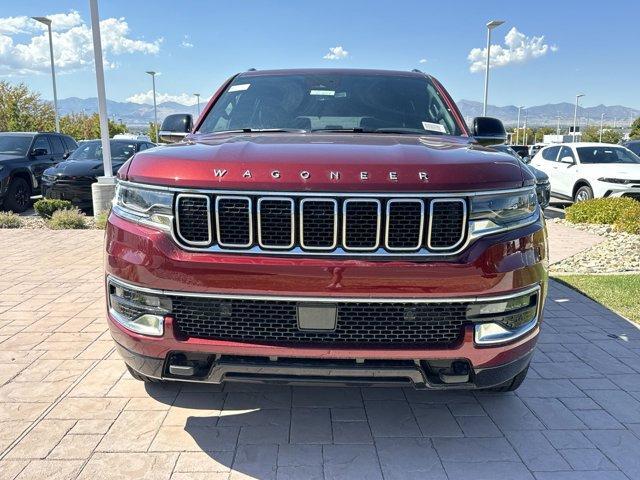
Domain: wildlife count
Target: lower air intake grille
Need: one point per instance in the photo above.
(270, 321)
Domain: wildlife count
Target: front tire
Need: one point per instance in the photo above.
(512, 384)
(18, 198)
(583, 193)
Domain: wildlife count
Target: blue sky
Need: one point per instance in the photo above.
(591, 48)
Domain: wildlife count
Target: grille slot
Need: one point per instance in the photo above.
(361, 224)
(405, 223)
(367, 323)
(193, 219)
(276, 222)
(447, 220)
(318, 223)
(233, 221)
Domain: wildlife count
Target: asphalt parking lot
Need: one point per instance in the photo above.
(69, 410)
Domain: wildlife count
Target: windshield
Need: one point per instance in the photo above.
(606, 155)
(120, 151)
(634, 147)
(332, 101)
(14, 144)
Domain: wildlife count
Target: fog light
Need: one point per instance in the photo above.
(138, 311)
(494, 333)
(148, 324)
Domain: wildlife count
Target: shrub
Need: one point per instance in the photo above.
(10, 220)
(603, 210)
(628, 225)
(101, 220)
(67, 219)
(47, 206)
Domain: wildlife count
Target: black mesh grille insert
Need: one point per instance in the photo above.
(404, 220)
(276, 223)
(446, 223)
(361, 221)
(234, 221)
(193, 214)
(318, 223)
(386, 324)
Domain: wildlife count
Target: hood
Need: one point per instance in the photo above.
(627, 171)
(541, 177)
(328, 162)
(82, 168)
(7, 158)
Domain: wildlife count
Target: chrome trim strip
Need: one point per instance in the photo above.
(259, 222)
(344, 223)
(396, 194)
(464, 222)
(118, 211)
(276, 298)
(386, 230)
(177, 217)
(250, 220)
(335, 222)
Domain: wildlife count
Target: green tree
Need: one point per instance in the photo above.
(84, 127)
(635, 129)
(592, 134)
(23, 110)
(152, 131)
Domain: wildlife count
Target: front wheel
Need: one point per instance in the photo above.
(18, 197)
(512, 384)
(583, 193)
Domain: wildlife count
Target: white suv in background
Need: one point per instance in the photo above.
(580, 171)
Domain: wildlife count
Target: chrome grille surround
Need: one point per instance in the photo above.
(345, 231)
(471, 235)
(198, 196)
(259, 221)
(432, 204)
(311, 201)
(241, 199)
(387, 234)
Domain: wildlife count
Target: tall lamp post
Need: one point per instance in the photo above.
(526, 114)
(197, 95)
(490, 26)
(155, 107)
(47, 22)
(518, 127)
(601, 124)
(575, 116)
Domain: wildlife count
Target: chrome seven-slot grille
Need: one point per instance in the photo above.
(320, 224)
(356, 323)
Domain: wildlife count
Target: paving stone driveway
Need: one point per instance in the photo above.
(69, 410)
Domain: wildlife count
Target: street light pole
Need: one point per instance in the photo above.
(601, 124)
(558, 126)
(197, 95)
(47, 22)
(155, 107)
(526, 114)
(490, 26)
(518, 127)
(575, 116)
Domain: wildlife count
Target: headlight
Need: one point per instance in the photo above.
(144, 205)
(614, 180)
(492, 213)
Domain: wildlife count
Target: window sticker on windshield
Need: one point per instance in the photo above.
(434, 127)
(239, 88)
(327, 93)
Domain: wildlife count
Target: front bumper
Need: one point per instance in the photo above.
(78, 192)
(492, 266)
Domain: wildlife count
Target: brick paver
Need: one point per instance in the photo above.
(69, 410)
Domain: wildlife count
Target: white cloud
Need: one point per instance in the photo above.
(186, 43)
(147, 97)
(336, 53)
(423, 60)
(517, 48)
(72, 44)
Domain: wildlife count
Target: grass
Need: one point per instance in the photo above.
(620, 293)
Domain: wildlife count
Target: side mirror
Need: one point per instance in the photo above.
(175, 127)
(66, 155)
(526, 159)
(37, 152)
(489, 131)
(567, 159)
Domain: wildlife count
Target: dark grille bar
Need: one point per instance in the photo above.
(447, 221)
(233, 221)
(319, 224)
(361, 224)
(275, 321)
(194, 219)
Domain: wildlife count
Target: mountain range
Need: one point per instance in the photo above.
(138, 115)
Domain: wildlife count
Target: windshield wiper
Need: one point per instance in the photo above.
(406, 130)
(342, 130)
(262, 130)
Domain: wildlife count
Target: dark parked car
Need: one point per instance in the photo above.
(71, 180)
(24, 156)
(634, 146)
(543, 187)
(521, 150)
